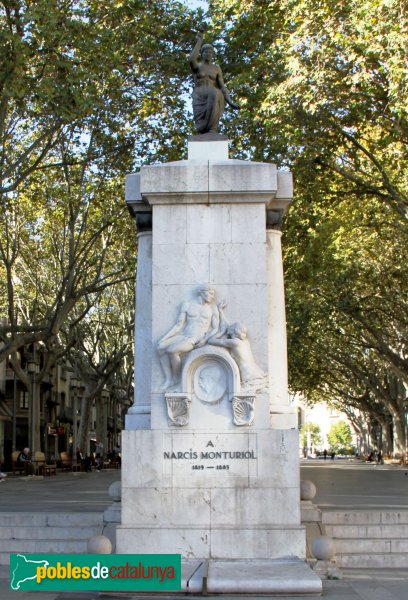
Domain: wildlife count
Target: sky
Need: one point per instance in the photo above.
(197, 4)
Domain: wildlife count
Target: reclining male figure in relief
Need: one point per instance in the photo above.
(202, 322)
(198, 321)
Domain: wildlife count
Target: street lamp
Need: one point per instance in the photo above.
(14, 422)
(33, 368)
(308, 434)
(405, 461)
(74, 386)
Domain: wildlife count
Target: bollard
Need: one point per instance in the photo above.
(99, 544)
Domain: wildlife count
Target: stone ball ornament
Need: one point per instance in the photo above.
(307, 490)
(323, 548)
(99, 544)
(115, 491)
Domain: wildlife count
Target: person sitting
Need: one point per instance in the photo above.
(24, 459)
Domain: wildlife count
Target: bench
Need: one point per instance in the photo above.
(114, 463)
(67, 464)
(41, 466)
(66, 461)
(403, 460)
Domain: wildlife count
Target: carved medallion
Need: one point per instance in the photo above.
(210, 382)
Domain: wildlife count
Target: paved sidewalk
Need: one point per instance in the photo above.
(355, 484)
(340, 484)
(66, 492)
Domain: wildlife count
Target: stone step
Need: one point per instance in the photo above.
(364, 517)
(43, 547)
(22, 532)
(359, 546)
(372, 561)
(367, 531)
(29, 520)
(79, 519)
(47, 533)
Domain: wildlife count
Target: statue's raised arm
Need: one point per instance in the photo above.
(209, 91)
(195, 53)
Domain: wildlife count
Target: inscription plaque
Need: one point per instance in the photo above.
(202, 454)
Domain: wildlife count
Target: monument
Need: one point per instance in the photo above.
(210, 450)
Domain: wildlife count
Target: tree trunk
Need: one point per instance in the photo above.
(400, 442)
(82, 436)
(102, 422)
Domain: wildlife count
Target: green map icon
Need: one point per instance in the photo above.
(23, 570)
(119, 572)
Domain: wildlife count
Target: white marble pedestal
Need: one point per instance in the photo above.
(210, 466)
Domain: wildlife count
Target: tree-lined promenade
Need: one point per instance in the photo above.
(90, 90)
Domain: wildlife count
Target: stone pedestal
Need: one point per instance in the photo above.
(210, 465)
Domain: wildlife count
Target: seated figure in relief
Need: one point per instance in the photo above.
(197, 322)
(235, 339)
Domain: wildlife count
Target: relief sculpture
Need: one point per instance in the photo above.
(197, 322)
(210, 382)
(202, 324)
(178, 410)
(235, 338)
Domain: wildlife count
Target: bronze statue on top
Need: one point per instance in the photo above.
(209, 89)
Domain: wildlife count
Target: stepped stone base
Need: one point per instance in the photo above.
(372, 561)
(368, 539)
(42, 533)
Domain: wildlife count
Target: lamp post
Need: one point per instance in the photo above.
(33, 368)
(14, 423)
(308, 435)
(74, 386)
(406, 431)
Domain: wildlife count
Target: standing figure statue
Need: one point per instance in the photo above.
(209, 88)
(197, 322)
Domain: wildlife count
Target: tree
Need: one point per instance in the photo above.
(310, 436)
(334, 100)
(331, 107)
(85, 90)
(105, 69)
(73, 115)
(340, 438)
(66, 248)
(103, 352)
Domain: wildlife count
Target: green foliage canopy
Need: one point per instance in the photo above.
(310, 433)
(324, 90)
(340, 438)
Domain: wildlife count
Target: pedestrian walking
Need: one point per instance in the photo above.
(99, 455)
